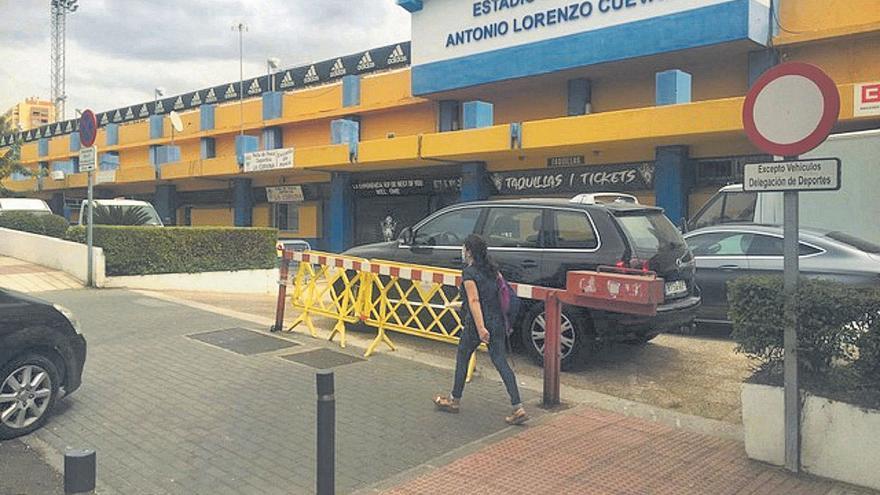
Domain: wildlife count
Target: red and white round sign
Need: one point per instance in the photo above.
(791, 109)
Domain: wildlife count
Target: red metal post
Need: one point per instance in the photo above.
(282, 291)
(552, 349)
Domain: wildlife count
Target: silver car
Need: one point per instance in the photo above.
(727, 252)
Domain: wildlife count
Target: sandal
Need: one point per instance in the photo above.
(518, 417)
(446, 404)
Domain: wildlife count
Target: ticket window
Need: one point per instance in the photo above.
(286, 217)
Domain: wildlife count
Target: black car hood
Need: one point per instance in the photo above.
(14, 297)
(375, 250)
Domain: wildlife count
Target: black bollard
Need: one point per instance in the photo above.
(79, 471)
(326, 434)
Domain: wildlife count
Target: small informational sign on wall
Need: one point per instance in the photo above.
(261, 161)
(565, 161)
(592, 178)
(821, 174)
(285, 194)
(866, 99)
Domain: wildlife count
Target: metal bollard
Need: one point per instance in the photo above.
(283, 272)
(552, 349)
(79, 471)
(326, 468)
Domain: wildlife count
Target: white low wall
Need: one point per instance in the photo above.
(238, 282)
(838, 440)
(65, 256)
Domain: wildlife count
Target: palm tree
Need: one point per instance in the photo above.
(121, 215)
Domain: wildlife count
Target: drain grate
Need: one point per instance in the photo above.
(242, 341)
(322, 359)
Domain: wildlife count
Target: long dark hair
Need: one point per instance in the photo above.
(482, 262)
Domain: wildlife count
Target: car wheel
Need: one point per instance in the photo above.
(577, 337)
(28, 391)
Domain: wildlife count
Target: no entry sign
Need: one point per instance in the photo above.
(791, 109)
(88, 128)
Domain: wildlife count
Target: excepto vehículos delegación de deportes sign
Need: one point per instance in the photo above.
(465, 43)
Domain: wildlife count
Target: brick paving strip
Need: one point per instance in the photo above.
(27, 277)
(588, 451)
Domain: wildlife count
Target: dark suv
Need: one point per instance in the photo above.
(536, 241)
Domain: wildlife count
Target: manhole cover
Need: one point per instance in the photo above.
(243, 341)
(322, 358)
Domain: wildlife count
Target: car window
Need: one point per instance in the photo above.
(720, 244)
(768, 245)
(574, 231)
(739, 207)
(856, 242)
(711, 215)
(513, 227)
(650, 232)
(448, 229)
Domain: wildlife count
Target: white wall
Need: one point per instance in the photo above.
(238, 282)
(839, 441)
(65, 256)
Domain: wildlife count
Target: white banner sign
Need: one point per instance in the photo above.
(284, 194)
(259, 161)
(822, 174)
(866, 99)
(105, 176)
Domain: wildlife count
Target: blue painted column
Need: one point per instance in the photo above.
(672, 181)
(165, 202)
(341, 212)
(243, 202)
(760, 62)
(673, 87)
(474, 182)
(476, 114)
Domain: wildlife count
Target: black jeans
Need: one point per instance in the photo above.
(468, 343)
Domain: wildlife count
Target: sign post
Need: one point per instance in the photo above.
(790, 110)
(88, 158)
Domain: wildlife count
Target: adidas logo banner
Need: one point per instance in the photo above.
(117, 117)
(230, 93)
(311, 76)
(196, 100)
(38, 134)
(254, 88)
(366, 62)
(397, 56)
(129, 114)
(69, 126)
(160, 107)
(211, 97)
(178, 103)
(143, 112)
(104, 119)
(287, 80)
(338, 69)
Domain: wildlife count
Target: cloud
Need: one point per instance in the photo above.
(118, 51)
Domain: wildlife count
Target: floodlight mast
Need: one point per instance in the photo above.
(58, 10)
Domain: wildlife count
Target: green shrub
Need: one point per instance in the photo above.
(135, 250)
(832, 318)
(49, 225)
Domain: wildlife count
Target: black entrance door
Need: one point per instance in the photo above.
(378, 219)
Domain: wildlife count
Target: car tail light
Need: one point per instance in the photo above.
(634, 264)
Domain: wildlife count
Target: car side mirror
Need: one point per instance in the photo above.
(406, 236)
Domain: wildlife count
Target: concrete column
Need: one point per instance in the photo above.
(245, 144)
(273, 102)
(759, 62)
(341, 214)
(474, 182)
(476, 114)
(206, 117)
(111, 133)
(243, 202)
(672, 181)
(351, 91)
(157, 126)
(74, 141)
(165, 202)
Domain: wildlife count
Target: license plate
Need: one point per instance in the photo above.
(676, 287)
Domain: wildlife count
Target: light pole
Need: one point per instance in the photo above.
(241, 28)
(272, 63)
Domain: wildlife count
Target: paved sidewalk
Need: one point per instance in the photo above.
(28, 277)
(588, 451)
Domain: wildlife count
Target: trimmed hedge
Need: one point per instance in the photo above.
(838, 334)
(49, 225)
(131, 250)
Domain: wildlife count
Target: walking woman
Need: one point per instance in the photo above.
(482, 321)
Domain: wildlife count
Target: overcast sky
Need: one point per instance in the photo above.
(118, 51)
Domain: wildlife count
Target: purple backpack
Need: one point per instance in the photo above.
(510, 303)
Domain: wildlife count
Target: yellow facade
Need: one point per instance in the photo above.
(30, 114)
(399, 131)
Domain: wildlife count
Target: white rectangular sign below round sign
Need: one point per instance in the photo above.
(821, 174)
(88, 159)
(284, 194)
